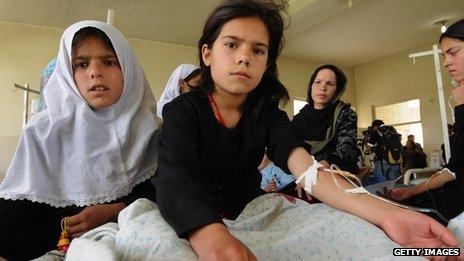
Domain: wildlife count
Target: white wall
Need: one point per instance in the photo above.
(396, 79)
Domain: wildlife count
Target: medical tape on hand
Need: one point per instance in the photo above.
(310, 176)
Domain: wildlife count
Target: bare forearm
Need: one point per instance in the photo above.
(114, 210)
(298, 161)
(364, 206)
(435, 182)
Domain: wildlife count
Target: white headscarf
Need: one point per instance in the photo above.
(172, 89)
(70, 154)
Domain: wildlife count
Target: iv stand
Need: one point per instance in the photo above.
(26, 90)
(441, 99)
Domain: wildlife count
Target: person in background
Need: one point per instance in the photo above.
(183, 79)
(46, 73)
(327, 123)
(414, 156)
(412, 138)
(446, 186)
(383, 169)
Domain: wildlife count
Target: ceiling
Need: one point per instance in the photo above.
(345, 32)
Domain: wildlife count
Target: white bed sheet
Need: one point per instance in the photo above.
(273, 226)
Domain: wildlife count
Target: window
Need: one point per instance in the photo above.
(298, 104)
(404, 116)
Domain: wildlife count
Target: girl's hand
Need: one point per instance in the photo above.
(397, 194)
(92, 217)
(412, 229)
(400, 194)
(214, 242)
(271, 186)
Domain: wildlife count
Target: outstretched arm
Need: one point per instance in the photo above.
(405, 227)
(400, 194)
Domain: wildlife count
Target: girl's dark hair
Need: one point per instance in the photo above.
(455, 31)
(192, 75)
(340, 78)
(270, 89)
(91, 31)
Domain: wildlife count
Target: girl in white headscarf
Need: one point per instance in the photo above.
(89, 154)
(183, 79)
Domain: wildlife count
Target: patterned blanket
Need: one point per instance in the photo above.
(273, 226)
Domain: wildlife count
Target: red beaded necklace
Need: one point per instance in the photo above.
(218, 115)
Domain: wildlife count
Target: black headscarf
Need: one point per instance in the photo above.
(313, 123)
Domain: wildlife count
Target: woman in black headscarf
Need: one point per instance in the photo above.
(326, 123)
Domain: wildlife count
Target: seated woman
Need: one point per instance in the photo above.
(326, 123)
(447, 186)
(183, 79)
(89, 154)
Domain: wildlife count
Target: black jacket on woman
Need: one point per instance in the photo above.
(333, 132)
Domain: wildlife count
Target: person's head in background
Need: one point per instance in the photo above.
(96, 68)
(376, 124)
(410, 144)
(183, 79)
(411, 137)
(326, 86)
(452, 50)
(238, 51)
(190, 82)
